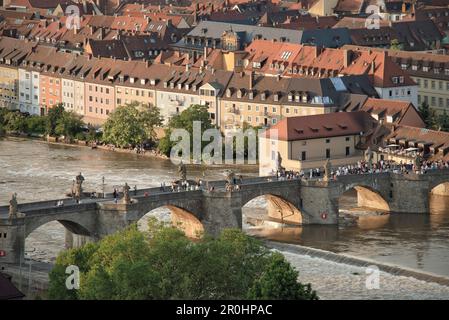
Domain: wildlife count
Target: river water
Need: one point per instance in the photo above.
(41, 171)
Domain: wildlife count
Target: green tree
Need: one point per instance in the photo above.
(428, 115)
(127, 125)
(36, 124)
(279, 281)
(396, 45)
(3, 113)
(15, 122)
(163, 263)
(54, 114)
(150, 118)
(69, 124)
(185, 120)
(443, 122)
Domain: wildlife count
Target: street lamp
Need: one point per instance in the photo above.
(102, 179)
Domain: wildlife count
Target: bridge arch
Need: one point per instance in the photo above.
(367, 197)
(180, 218)
(46, 239)
(278, 208)
(440, 189)
(73, 225)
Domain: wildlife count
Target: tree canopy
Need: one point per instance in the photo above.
(162, 263)
(432, 120)
(131, 125)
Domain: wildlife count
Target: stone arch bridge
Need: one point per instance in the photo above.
(296, 201)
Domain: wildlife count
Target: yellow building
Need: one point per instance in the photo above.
(263, 101)
(307, 142)
(9, 82)
(323, 7)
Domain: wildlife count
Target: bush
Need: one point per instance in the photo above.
(164, 264)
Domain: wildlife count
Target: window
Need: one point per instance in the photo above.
(303, 156)
(348, 149)
(328, 140)
(328, 153)
(348, 139)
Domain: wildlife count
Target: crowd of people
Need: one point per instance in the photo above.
(364, 167)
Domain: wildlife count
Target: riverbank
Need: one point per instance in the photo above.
(84, 144)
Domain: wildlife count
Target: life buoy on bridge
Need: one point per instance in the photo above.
(324, 216)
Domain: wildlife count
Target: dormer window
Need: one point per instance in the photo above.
(304, 98)
(251, 95)
(172, 85)
(131, 80)
(165, 84)
(153, 82)
(122, 79)
(187, 86)
(263, 96)
(425, 69)
(276, 96)
(401, 79)
(297, 97)
(239, 93)
(290, 97)
(142, 81)
(228, 93)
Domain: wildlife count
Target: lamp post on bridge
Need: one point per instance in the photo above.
(102, 179)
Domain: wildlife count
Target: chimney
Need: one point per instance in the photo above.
(347, 55)
(187, 67)
(251, 79)
(318, 51)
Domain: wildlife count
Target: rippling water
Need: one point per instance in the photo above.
(39, 171)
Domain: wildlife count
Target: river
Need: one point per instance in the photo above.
(41, 171)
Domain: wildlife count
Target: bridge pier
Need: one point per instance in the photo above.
(221, 210)
(409, 194)
(73, 240)
(12, 239)
(318, 204)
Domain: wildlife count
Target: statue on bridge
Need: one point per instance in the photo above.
(126, 197)
(182, 171)
(369, 157)
(230, 177)
(13, 206)
(418, 161)
(279, 167)
(327, 170)
(79, 179)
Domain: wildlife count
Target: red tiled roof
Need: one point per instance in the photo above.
(322, 126)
